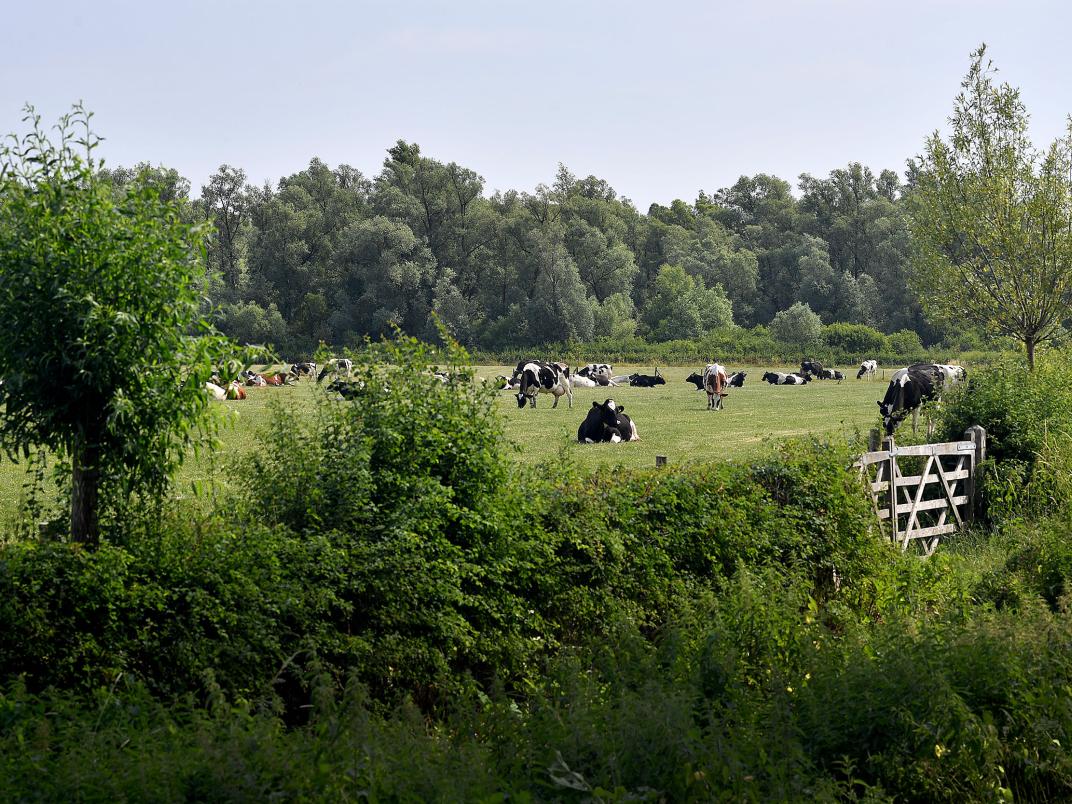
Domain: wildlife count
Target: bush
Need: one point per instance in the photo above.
(854, 342)
(1028, 420)
(905, 347)
(798, 328)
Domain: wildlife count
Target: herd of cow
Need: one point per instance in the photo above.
(909, 388)
(220, 388)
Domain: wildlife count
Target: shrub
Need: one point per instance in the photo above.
(798, 328)
(854, 341)
(906, 347)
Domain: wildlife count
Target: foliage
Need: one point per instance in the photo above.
(1028, 420)
(992, 218)
(859, 340)
(680, 307)
(798, 327)
(343, 256)
(390, 537)
(906, 343)
(103, 349)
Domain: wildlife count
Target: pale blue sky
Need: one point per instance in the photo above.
(660, 99)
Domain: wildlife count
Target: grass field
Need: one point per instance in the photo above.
(672, 420)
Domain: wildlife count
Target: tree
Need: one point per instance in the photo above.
(103, 351)
(798, 327)
(991, 217)
(680, 307)
(226, 200)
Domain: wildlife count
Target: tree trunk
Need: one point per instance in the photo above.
(1029, 342)
(85, 486)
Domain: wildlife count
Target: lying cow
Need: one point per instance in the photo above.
(607, 422)
(781, 378)
(646, 380)
(339, 366)
(831, 374)
(735, 380)
(546, 378)
(306, 369)
(812, 368)
(592, 369)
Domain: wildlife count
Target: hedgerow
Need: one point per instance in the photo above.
(392, 609)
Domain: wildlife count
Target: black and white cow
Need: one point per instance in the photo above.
(908, 390)
(735, 380)
(592, 369)
(339, 366)
(953, 373)
(546, 378)
(306, 369)
(607, 422)
(869, 368)
(596, 374)
(831, 374)
(781, 378)
(811, 368)
(647, 380)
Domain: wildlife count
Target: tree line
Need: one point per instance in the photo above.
(328, 254)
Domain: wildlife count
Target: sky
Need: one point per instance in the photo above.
(661, 99)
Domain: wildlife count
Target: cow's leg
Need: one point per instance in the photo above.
(569, 394)
(915, 420)
(555, 404)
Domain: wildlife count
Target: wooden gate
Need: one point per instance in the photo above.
(936, 498)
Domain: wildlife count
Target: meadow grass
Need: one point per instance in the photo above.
(672, 420)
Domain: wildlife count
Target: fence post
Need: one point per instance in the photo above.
(977, 435)
(874, 439)
(660, 460)
(891, 474)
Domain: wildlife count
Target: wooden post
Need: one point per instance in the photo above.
(874, 439)
(891, 474)
(660, 461)
(977, 435)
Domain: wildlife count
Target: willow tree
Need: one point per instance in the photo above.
(991, 218)
(103, 349)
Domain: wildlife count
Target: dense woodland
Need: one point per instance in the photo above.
(331, 255)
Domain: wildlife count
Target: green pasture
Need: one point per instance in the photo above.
(672, 420)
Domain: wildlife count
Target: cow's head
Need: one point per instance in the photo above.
(608, 413)
(695, 379)
(521, 399)
(890, 419)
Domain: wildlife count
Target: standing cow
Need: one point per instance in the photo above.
(715, 380)
(546, 378)
(908, 390)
